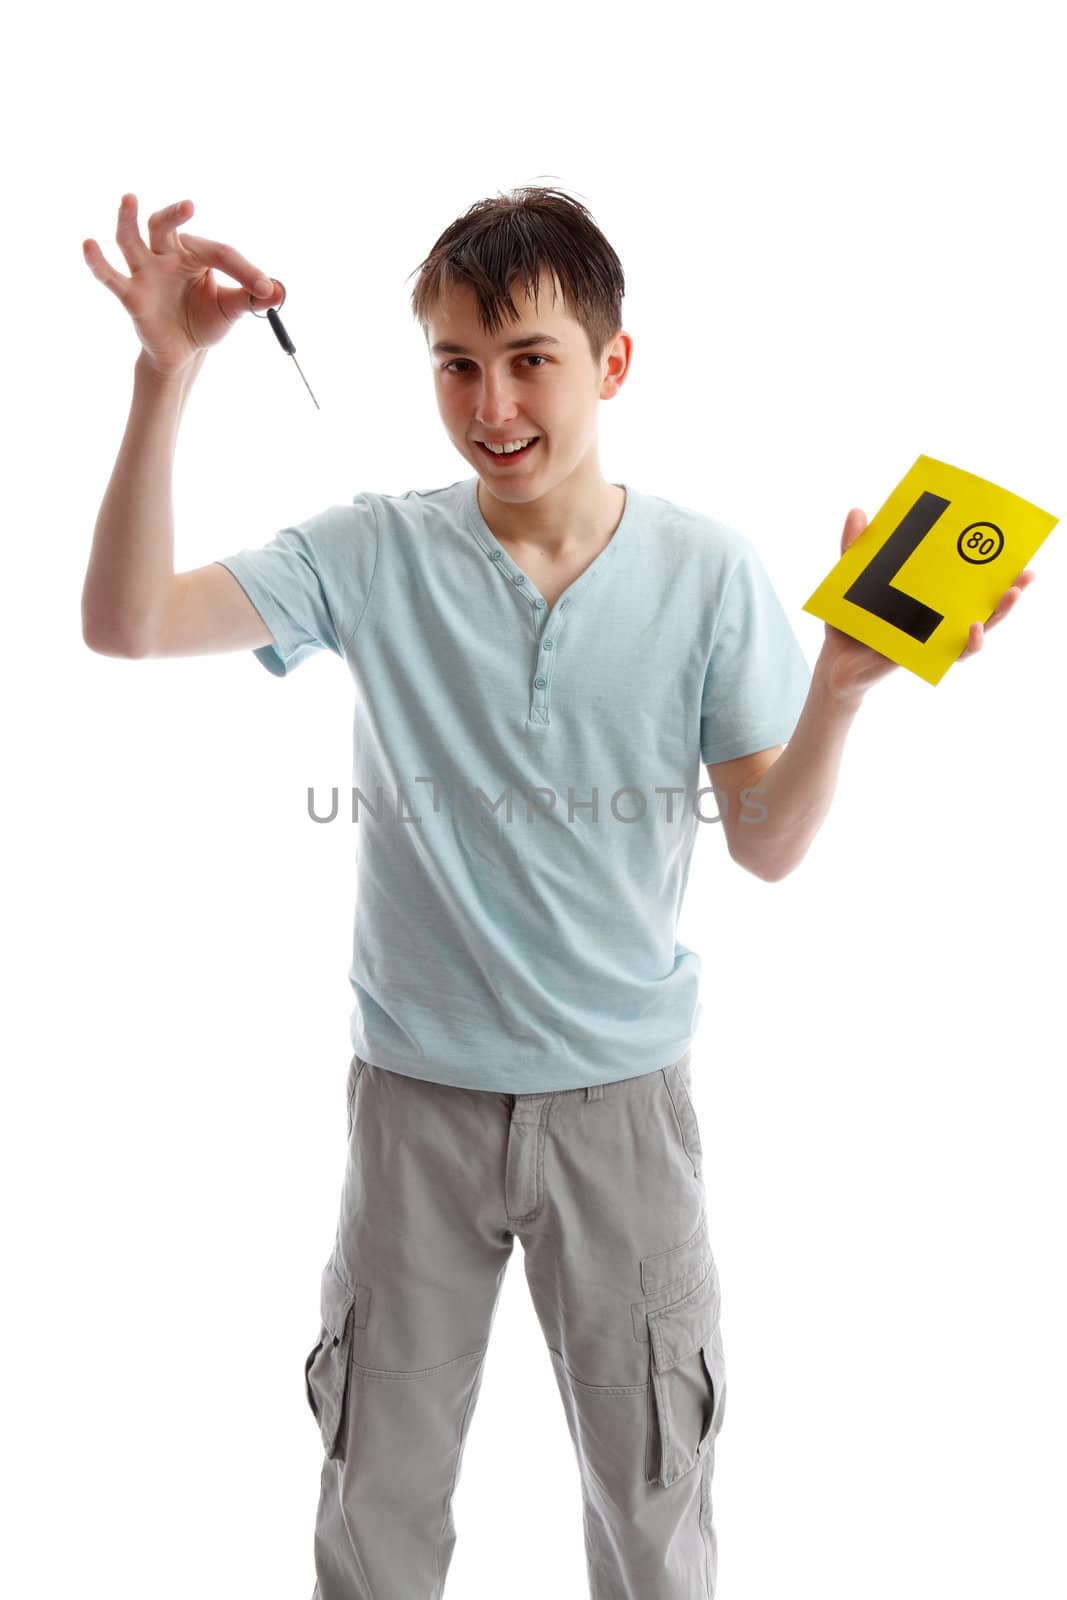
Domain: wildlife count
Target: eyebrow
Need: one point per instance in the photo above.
(441, 348)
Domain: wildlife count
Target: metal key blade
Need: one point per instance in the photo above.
(288, 346)
(307, 385)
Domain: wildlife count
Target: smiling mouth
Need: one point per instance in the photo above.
(511, 455)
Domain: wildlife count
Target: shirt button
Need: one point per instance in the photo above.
(548, 644)
(518, 578)
(539, 604)
(540, 682)
(496, 555)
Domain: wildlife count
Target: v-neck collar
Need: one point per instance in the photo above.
(510, 567)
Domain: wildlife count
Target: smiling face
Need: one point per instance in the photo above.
(550, 389)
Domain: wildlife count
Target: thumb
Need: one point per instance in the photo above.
(237, 301)
(855, 523)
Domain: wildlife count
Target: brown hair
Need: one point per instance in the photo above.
(516, 235)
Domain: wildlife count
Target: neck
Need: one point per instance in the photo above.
(572, 518)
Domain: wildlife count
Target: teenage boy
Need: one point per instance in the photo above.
(542, 661)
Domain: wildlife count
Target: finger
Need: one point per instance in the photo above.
(1022, 582)
(163, 225)
(226, 259)
(974, 642)
(129, 239)
(1007, 602)
(102, 269)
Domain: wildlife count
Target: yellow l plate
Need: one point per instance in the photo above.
(934, 558)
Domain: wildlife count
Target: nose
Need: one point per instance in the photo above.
(495, 406)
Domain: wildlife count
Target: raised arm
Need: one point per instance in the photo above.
(133, 602)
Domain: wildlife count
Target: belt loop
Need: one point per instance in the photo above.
(594, 1091)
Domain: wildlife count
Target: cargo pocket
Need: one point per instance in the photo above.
(687, 1381)
(326, 1370)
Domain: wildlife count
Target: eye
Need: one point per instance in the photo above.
(464, 363)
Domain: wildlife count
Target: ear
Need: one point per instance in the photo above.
(615, 365)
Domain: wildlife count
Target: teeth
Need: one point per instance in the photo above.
(506, 449)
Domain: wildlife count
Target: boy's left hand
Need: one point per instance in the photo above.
(851, 666)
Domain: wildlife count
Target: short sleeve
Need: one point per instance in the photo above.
(757, 678)
(311, 583)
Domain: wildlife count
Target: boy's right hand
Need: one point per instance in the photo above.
(177, 307)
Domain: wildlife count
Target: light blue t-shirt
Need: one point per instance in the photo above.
(520, 861)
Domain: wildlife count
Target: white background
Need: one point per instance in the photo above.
(842, 232)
